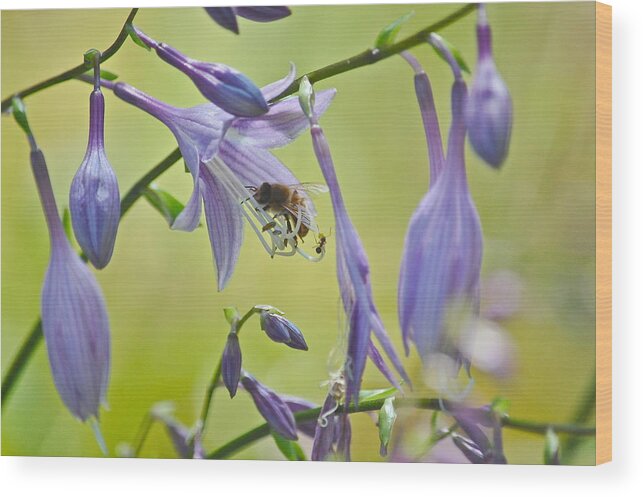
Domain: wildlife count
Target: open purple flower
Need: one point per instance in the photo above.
(443, 248)
(74, 317)
(224, 86)
(489, 109)
(353, 271)
(225, 155)
(94, 200)
(226, 17)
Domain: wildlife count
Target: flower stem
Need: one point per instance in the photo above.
(75, 71)
(216, 376)
(374, 55)
(35, 335)
(263, 430)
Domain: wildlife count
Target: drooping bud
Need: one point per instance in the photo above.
(489, 110)
(224, 86)
(231, 364)
(281, 330)
(272, 407)
(74, 316)
(94, 199)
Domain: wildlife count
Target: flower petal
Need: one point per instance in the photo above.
(188, 219)
(263, 13)
(284, 122)
(225, 225)
(275, 89)
(224, 17)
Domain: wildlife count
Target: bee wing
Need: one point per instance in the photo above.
(307, 217)
(312, 188)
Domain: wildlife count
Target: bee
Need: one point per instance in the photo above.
(290, 202)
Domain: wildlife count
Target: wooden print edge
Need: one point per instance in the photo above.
(603, 233)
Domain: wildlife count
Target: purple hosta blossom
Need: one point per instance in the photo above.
(272, 407)
(440, 268)
(333, 431)
(353, 271)
(226, 17)
(281, 330)
(489, 110)
(477, 447)
(74, 316)
(231, 364)
(224, 86)
(94, 200)
(186, 441)
(225, 154)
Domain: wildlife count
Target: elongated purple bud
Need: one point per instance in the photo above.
(74, 317)
(94, 199)
(224, 17)
(489, 110)
(470, 449)
(295, 404)
(231, 364)
(224, 86)
(272, 407)
(281, 330)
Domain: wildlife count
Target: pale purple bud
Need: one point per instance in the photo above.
(489, 110)
(94, 199)
(224, 86)
(231, 364)
(226, 16)
(281, 330)
(469, 449)
(74, 316)
(272, 407)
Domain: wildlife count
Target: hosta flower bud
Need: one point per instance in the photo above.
(224, 86)
(94, 200)
(272, 407)
(231, 364)
(489, 110)
(281, 330)
(227, 16)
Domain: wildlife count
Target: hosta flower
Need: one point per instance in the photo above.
(74, 317)
(477, 447)
(272, 407)
(225, 155)
(224, 86)
(440, 268)
(226, 17)
(489, 109)
(333, 431)
(94, 200)
(353, 271)
(231, 364)
(281, 330)
(295, 404)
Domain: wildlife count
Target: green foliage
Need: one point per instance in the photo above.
(387, 36)
(386, 420)
(167, 205)
(552, 448)
(135, 38)
(291, 450)
(383, 393)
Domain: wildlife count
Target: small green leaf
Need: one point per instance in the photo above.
(20, 114)
(108, 75)
(135, 38)
(382, 393)
(291, 450)
(454, 51)
(268, 308)
(163, 202)
(500, 406)
(385, 423)
(90, 55)
(387, 36)
(552, 447)
(231, 314)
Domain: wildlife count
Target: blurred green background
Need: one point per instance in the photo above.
(166, 316)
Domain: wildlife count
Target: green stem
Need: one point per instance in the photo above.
(216, 376)
(35, 335)
(75, 71)
(263, 430)
(372, 56)
(143, 431)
